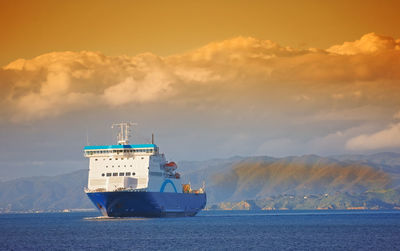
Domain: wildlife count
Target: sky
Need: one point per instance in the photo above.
(211, 79)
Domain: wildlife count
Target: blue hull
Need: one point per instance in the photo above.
(148, 204)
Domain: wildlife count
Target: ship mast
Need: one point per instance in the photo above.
(124, 134)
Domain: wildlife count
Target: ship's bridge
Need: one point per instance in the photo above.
(138, 149)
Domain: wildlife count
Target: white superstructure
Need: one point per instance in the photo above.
(130, 167)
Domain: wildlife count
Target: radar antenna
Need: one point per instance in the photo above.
(124, 134)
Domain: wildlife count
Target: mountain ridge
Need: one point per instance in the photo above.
(239, 179)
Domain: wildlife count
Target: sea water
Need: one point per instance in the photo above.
(209, 230)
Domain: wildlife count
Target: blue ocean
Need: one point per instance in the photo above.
(209, 230)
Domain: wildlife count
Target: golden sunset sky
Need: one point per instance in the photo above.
(31, 28)
(212, 79)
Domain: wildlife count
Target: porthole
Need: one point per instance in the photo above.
(102, 174)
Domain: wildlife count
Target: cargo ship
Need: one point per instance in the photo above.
(136, 180)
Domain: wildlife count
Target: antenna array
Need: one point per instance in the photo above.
(124, 133)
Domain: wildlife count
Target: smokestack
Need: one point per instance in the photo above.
(152, 138)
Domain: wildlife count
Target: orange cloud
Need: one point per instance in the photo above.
(369, 43)
(354, 74)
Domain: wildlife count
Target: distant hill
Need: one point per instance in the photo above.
(344, 181)
(385, 159)
(254, 179)
(383, 199)
(45, 193)
(242, 178)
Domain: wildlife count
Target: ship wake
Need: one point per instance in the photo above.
(107, 218)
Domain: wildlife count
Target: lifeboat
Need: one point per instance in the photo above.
(170, 166)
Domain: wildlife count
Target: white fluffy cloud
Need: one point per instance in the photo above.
(240, 70)
(150, 88)
(384, 139)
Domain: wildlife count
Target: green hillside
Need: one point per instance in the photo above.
(251, 179)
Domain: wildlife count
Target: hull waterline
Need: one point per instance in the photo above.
(147, 204)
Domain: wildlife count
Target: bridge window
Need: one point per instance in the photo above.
(108, 174)
(128, 174)
(115, 174)
(121, 174)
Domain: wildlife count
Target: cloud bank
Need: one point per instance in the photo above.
(387, 138)
(59, 82)
(336, 95)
